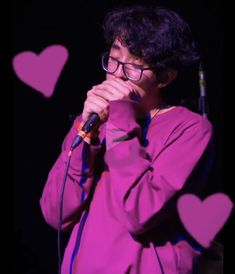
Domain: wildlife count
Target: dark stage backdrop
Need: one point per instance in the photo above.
(41, 124)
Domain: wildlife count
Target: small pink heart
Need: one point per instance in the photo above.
(204, 219)
(42, 71)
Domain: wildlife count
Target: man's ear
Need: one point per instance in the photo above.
(167, 77)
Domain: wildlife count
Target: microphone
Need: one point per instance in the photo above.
(203, 104)
(90, 124)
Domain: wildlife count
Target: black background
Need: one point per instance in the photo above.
(40, 124)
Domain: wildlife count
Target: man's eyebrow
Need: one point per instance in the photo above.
(115, 46)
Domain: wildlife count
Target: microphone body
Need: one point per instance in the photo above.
(203, 104)
(90, 124)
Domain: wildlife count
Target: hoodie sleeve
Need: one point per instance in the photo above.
(143, 186)
(78, 183)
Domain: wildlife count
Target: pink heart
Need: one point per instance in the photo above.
(204, 219)
(42, 71)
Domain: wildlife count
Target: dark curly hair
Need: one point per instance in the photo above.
(157, 35)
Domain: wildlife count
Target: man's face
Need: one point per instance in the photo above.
(148, 81)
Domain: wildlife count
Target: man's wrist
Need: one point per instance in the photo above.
(91, 135)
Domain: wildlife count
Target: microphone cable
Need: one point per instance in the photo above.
(87, 127)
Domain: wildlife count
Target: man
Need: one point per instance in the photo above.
(124, 179)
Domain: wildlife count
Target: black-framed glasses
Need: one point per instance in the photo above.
(132, 71)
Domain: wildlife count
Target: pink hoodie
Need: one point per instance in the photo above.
(120, 195)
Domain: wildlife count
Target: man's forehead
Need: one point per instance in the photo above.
(118, 46)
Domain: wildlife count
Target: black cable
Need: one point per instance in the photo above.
(78, 139)
(159, 261)
(60, 216)
(87, 127)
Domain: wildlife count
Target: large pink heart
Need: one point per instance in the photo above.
(204, 219)
(42, 71)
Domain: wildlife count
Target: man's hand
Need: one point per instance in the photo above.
(99, 96)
